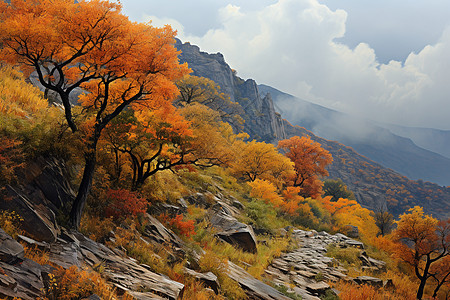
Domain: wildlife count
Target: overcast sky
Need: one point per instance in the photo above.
(388, 60)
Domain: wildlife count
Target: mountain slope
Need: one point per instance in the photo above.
(377, 142)
(374, 186)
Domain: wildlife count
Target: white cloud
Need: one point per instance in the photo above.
(160, 22)
(291, 45)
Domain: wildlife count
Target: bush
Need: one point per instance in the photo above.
(10, 223)
(347, 256)
(178, 225)
(75, 284)
(124, 203)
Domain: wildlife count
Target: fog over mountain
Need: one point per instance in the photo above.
(406, 150)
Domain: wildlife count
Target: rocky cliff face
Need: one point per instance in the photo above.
(261, 120)
(373, 185)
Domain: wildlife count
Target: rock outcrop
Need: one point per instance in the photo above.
(230, 229)
(43, 190)
(261, 120)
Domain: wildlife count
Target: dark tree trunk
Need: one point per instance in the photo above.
(83, 191)
(423, 278)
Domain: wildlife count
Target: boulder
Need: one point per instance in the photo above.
(200, 199)
(372, 281)
(40, 220)
(231, 230)
(20, 277)
(156, 232)
(318, 288)
(209, 279)
(254, 288)
(10, 250)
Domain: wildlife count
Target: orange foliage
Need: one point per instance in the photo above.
(93, 46)
(310, 160)
(266, 191)
(351, 291)
(422, 242)
(293, 201)
(125, 203)
(179, 226)
(74, 284)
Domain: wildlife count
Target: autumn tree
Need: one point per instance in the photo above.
(194, 89)
(337, 189)
(149, 139)
(310, 161)
(423, 242)
(259, 160)
(170, 139)
(93, 46)
(384, 221)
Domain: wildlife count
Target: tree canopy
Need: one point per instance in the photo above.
(91, 45)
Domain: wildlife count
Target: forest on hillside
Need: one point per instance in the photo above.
(137, 132)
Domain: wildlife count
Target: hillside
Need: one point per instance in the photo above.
(394, 147)
(143, 187)
(374, 185)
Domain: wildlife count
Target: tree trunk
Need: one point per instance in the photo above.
(83, 190)
(421, 288)
(423, 278)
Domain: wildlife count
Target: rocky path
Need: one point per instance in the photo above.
(309, 269)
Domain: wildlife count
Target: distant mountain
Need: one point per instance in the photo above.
(392, 146)
(374, 185)
(428, 138)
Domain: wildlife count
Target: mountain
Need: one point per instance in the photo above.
(428, 138)
(392, 146)
(374, 185)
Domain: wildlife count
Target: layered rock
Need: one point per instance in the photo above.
(308, 267)
(230, 229)
(261, 120)
(44, 189)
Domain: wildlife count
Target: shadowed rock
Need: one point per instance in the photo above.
(230, 229)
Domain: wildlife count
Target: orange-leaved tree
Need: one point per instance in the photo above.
(149, 139)
(423, 241)
(310, 161)
(91, 45)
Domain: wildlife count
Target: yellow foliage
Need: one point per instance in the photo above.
(10, 223)
(75, 284)
(266, 191)
(18, 98)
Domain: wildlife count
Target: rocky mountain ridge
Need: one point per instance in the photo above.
(374, 186)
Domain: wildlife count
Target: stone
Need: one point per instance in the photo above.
(372, 281)
(209, 279)
(40, 221)
(318, 288)
(159, 234)
(32, 243)
(167, 209)
(353, 243)
(231, 230)
(199, 199)
(254, 288)
(10, 250)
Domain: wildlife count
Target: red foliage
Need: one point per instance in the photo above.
(124, 203)
(177, 224)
